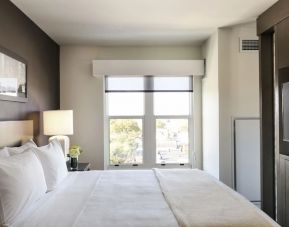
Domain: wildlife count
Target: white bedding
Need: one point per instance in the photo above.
(126, 198)
(103, 199)
(198, 199)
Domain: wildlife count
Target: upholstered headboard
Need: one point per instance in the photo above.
(13, 133)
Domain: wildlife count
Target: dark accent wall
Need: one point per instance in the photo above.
(267, 125)
(23, 37)
(273, 30)
(273, 16)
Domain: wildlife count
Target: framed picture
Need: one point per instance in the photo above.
(13, 77)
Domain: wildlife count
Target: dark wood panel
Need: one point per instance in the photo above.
(283, 176)
(277, 128)
(267, 124)
(283, 43)
(286, 207)
(274, 20)
(283, 110)
(272, 16)
(284, 191)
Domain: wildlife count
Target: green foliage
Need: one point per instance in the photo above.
(125, 137)
(160, 124)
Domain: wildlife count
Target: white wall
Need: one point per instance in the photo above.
(230, 89)
(83, 93)
(239, 89)
(210, 107)
(197, 122)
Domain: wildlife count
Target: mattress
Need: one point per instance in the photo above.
(142, 198)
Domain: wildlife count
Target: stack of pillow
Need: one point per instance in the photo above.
(26, 174)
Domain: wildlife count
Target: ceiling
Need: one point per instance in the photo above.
(138, 22)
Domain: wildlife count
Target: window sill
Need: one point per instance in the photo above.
(142, 166)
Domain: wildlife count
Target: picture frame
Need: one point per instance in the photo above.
(13, 77)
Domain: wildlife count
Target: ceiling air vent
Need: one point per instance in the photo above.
(247, 45)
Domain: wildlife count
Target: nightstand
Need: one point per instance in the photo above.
(80, 167)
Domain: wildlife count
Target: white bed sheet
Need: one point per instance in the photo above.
(103, 199)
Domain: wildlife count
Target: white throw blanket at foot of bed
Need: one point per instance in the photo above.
(198, 199)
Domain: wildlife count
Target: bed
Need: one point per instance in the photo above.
(143, 198)
(138, 198)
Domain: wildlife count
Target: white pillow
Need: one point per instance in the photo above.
(4, 153)
(53, 163)
(19, 150)
(22, 183)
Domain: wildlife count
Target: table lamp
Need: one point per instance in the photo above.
(58, 124)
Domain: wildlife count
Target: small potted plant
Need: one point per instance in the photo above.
(74, 152)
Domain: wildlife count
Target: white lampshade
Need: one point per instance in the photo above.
(58, 122)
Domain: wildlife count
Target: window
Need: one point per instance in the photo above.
(172, 139)
(178, 103)
(126, 141)
(126, 104)
(149, 120)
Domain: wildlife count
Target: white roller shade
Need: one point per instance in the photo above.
(148, 84)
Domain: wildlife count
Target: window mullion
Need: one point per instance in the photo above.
(192, 154)
(149, 132)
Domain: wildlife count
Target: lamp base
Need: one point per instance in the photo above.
(64, 142)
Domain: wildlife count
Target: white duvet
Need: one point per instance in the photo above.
(142, 198)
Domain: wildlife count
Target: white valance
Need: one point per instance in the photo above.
(148, 67)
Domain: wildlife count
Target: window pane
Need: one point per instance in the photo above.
(172, 140)
(125, 104)
(126, 143)
(172, 103)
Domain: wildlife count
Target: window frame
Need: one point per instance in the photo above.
(149, 135)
